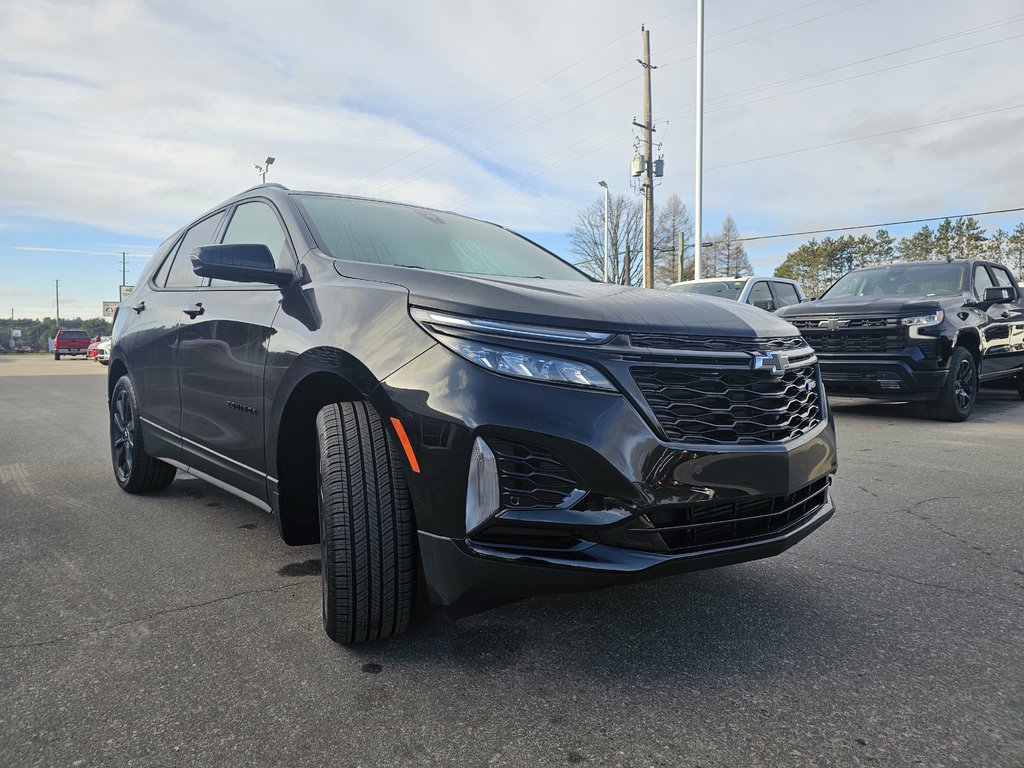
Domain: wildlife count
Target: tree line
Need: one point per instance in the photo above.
(818, 263)
(722, 254)
(34, 333)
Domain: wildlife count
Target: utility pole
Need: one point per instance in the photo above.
(123, 255)
(679, 279)
(57, 286)
(648, 185)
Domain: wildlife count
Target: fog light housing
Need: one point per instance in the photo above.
(483, 497)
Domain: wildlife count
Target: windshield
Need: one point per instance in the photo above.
(723, 289)
(923, 279)
(405, 236)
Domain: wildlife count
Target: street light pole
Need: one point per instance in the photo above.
(605, 185)
(262, 169)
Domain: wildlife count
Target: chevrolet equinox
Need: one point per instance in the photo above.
(436, 398)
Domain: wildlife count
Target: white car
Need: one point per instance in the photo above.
(770, 293)
(103, 351)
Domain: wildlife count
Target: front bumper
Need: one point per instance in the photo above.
(882, 376)
(460, 571)
(632, 504)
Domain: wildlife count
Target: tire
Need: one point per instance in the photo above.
(959, 393)
(1020, 386)
(367, 550)
(56, 355)
(104, 362)
(134, 469)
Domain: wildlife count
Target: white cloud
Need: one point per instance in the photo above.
(135, 117)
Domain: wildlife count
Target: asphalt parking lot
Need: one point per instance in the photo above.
(177, 629)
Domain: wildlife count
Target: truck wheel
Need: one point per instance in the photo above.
(56, 355)
(134, 469)
(367, 551)
(1020, 386)
(956, 399)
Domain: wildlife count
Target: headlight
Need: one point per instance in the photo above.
(538, 366)
(527, 365)
(931, 319)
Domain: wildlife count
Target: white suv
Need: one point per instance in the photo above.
(770, 293)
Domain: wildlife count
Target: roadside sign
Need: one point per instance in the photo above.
(109, 307)
(16, 333)
(126, 291)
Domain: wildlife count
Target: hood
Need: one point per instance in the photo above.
(870, 305)
(572, 304)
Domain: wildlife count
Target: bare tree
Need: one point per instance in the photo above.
(672, 220)
(625, 227)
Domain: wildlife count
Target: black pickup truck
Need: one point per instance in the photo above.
(929, 330)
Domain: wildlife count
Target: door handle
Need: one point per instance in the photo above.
(197, 310)
(139, 308)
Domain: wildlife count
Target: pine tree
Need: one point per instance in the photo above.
(920, 246)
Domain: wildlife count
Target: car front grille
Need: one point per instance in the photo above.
(712, 524)
(855, 342)
(532, 478)
(716, 343)
(723, 406)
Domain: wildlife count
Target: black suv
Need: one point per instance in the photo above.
(926, 330)
(434, 397)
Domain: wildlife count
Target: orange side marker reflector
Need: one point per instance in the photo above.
(406, 445)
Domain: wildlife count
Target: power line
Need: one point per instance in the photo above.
(879, 226)
(866, 226)
(508, 101)
(851, 140)
(724, 97)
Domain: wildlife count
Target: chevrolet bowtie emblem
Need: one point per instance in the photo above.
(833, 324)
(772, 361)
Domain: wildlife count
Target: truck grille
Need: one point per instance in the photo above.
(710, 524)
(855, 342)
(720, 407)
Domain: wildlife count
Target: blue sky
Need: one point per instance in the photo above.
(124, 120)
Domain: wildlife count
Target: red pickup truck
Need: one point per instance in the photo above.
(70, 342)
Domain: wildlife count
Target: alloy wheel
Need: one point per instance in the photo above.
(122, 434)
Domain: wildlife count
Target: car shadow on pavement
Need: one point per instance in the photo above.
(743, 620)
(992, 402)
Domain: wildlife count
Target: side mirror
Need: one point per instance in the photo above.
(1000, 294)
(239, 263)
(765, 304)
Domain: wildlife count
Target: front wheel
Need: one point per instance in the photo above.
(959, 393)
(134, 469)
(367, 550)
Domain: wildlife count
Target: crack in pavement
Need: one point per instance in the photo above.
(929, 584)
(157, 614)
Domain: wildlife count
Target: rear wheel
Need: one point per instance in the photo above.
(56, 355)
(959, 393)
(367, 550)
(1020, 386)
(134, 469)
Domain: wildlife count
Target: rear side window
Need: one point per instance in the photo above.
(180, 274)
(1002, 277)
(785, 294)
